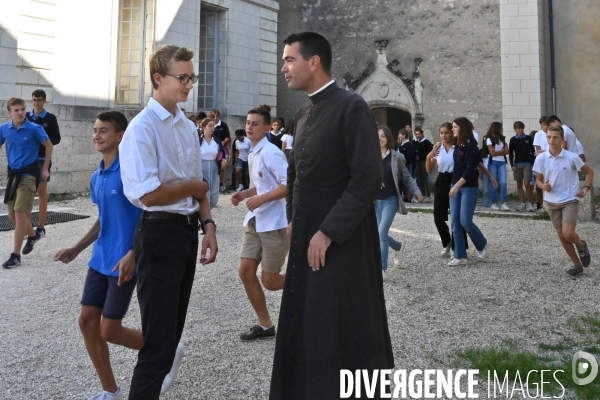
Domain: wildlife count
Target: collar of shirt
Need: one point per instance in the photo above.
(322, 88)
(422, 140)
(23, 126)
(561, 154)
(218, 123)
(406, 141)
(112, 168)
(42, 115)
(162, 113)
(259, 145)
(386, 154)
(520, 137)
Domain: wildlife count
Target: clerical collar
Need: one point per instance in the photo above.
(322, 88)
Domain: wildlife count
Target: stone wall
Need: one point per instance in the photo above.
(459, 42)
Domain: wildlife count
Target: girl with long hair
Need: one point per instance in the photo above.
(210, 148)
(287, 140)
(498, 149)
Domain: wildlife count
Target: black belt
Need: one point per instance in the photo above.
(190, 219)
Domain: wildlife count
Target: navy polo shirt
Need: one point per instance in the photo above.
(22, 144)
(118, 219)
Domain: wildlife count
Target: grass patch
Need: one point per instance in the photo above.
(566, 344)
(420, 210)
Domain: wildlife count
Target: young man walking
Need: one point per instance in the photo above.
(265, 240)
(111, 274)
(332, 309)
(161, 168)
(23, 140)
(48, 121)
(521, 155)
(222, 133)
(557, 176)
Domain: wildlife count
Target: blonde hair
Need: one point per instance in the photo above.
(160, 60)
(205, 122)
(557, 128)
(15, 101)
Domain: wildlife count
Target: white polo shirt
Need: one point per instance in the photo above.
(268, 172)
(243, 148)
(159, 147)
(562, 173)
(541, 140)
(445, 160)
(209, 150)
(570, 139)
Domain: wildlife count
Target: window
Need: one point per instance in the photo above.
(208, 60)
(129, 56)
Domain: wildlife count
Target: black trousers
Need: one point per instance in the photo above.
(441, 206)
(423, 178)
(165, 255)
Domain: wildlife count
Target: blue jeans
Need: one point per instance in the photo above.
(385, 210)
(498, 171)
(210, 172)
(462, 208)
(486, 190)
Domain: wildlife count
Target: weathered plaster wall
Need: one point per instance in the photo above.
(577, 49)
(459, 42)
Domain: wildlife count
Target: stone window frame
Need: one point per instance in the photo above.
(209, 76)
(129, 81)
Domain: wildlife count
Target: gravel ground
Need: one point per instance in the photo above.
(520, 292)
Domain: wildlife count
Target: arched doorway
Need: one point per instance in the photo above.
(394, 118)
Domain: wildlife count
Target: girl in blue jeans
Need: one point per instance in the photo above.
(498, 150)
(389, 201)
(464, 192)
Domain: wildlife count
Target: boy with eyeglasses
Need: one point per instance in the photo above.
(48, 121)
(23, 140)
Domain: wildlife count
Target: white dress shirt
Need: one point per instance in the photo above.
(209, 150)
(476, 136)
(160, 148)
(497, 147)
(445, 160)
(561, 171)
(580, 150)
(541, 140)
(570, 138)
(268, 172)
(289, 141)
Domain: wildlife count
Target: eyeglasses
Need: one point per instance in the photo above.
(184, 79)
(37, 100)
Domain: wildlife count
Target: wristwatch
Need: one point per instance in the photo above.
(209, 221)
(586, 187)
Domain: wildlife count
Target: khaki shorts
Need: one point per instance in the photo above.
(523, 173)
(268, 248)
(565, 212)
(23, 200)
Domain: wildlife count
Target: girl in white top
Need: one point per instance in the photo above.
(242, 147)
(209, 148)
(288, 138)
(498, 150)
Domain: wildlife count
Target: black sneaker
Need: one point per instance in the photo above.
(30, 242)
(13, 261)
(584, 255)
(575, 270)
(41, 230)
(256, 332)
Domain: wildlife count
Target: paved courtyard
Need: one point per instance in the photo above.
(520, 293)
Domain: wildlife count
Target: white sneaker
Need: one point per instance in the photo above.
(457, 261)
(494, 207)
(118, 395)
(383, 275)
(399, 256)
(171, 376)
(522, 207)
(447, 251)
(504, 207)
(240, 188)
(530, 207)
(481, 254)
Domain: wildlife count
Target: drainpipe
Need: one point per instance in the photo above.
(552, 64)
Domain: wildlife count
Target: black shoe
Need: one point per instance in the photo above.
(13, 261)
(256, 332)
(576, 270)
(31, 240)
(584, 255)
(41, 230)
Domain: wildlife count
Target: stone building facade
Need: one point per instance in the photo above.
(90, 56)
(488, 60)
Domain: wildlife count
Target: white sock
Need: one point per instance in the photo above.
(264, 327)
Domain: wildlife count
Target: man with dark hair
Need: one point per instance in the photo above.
(48, 121)
(224, 136)
(161, 168)
(570, 140)
(333, 312)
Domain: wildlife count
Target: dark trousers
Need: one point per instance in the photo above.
(441, 205)
(165, 255)
(423, 178)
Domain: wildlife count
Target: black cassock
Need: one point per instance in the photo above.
(334, 318)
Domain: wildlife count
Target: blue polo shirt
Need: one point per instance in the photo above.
(22, 144)
(118, 219)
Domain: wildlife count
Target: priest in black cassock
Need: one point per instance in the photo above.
(333, 312)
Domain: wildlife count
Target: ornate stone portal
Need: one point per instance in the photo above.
(383, 84)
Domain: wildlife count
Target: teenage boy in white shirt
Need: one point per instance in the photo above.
(265, 240)
(557, 176)
(540, 142)
(161, 169)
